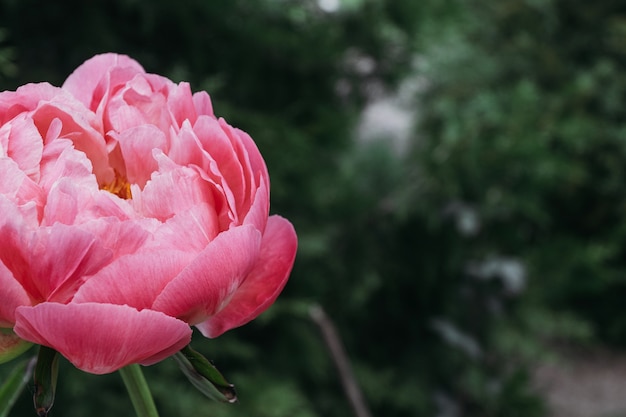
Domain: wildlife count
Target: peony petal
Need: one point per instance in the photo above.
(202, 103)
(69, 203)
(18, 187)
(172, 192)
(83, 81)
(79, 125)
(135, 280)
(257, 164)
(12, 295)
(60, 257)
(241, 144)
(25, 99)
(180, 104)
(59, 160)
(265, 282)
(63, 202)
(25, 145)
(102, 338)
(120, 237)
(226, 168)
(259, 210)
(15, 235)
(139, 102)
(186, 148)
(189, 230)
(201, 288)
(136, 145)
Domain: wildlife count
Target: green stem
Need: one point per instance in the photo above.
(138, 391)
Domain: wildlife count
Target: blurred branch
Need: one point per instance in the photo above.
(338, 354)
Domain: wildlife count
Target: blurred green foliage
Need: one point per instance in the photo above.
(448, 263)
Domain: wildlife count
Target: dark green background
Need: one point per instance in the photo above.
(519, 111)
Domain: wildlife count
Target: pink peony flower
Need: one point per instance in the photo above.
(128, 213)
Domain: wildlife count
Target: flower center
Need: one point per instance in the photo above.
(119, 186)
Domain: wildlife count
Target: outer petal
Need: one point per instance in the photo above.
(202, 287)
(202, 103)
(12, 295)
(24, 99)
(60, 257)
(260, 208)
(265, 282)
(102, 338)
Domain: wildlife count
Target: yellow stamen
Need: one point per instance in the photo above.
(120, 187)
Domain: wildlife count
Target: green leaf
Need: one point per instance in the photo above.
(11, 346)
(46, 373)
(204, 376)
(14, 384)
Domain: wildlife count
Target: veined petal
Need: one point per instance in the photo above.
(102, 338)
(60, 159)
(135, 280)
(136, 145)
(25, 145)
(189, 230)
(60, 258)
(12, 295)
(224, 167)
(259, 210)
(210, 280)
(186, 148)
(17, 186)
(263, 284)
(77, 124)
(171, 192)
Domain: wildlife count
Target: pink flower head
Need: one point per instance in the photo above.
(128, 213)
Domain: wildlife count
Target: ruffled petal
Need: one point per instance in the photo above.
(136, 145)
(189, 230)
(18, 187)
(60, 159)
(24, 144)
(172, 192)
(83, 81)
(24, 99)
(102, 338)
(69, 119)
(263, 284)
(209, 281)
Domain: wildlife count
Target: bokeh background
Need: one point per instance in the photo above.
(456, 173)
